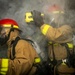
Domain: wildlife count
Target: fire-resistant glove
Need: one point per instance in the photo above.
(38, 19)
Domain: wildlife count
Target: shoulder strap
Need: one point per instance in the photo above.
(14, 44)
(54, 61)
(29, 40)
(13, 49)
(69, 56)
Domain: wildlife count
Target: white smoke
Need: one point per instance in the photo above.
(16, 9)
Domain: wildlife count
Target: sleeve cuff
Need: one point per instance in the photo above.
(44, 28)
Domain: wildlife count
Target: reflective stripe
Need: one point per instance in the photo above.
(45, 29)
(9, 25)
(4, 67)
(55, 44)
(42, 14)
(57, 12)
(63, 63)
(70, 45)
(49, 42)
(37, 60)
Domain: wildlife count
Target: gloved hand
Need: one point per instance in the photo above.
(38, 19)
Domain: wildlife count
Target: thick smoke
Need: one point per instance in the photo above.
(16, 9)
(70, 11)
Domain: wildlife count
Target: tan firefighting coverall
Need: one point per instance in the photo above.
(59, 35)
(24, 59)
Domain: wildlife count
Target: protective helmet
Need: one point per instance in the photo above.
(55, 9)
(9, 23)
(56, 15)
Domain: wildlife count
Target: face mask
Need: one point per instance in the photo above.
(3, 40)
(3, 37)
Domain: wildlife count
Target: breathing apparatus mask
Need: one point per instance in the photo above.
(3, 35)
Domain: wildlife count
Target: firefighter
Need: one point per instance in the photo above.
(21, 57)
(58, 37)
